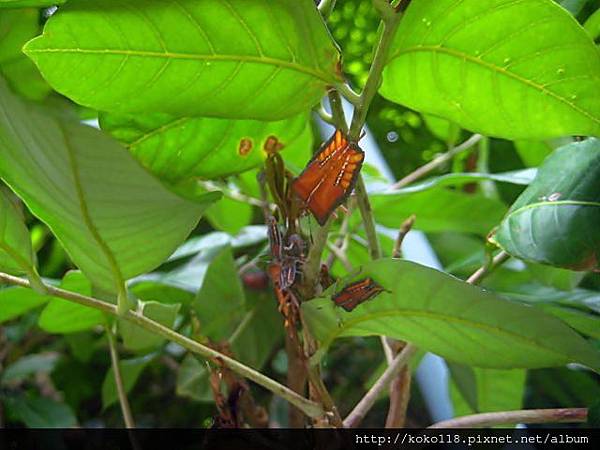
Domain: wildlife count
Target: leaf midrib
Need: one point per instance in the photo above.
(87, 219)
(493, 67)
(190, 56)
(437, 316)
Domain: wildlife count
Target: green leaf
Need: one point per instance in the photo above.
(220, 302)
(243, 59)
(29, 3)
(29, 365)
(40, 412)
(16, 253)
(256, 335)
(563, 279)
(555, 220)
(113, 218)
(136, 338)
(15, 301)
(518, 177)
(532, 153)
(248, 236)
(513, 69)
(464, 383)
(578, 308)
(131, 369)
(442, 129)
(496, 390)
(17, 27)
(259, 331)
(584, 322)
(192, 380)
(62, 316)
(583, 299)
(229, 215)
(179, 149)
(592, 25)
(150, 290)
(460, 322)
(439, 210)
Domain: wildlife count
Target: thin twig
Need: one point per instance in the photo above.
(309, 408)
(340, 254)
(404, 229)
(399, 397)
(364, 206)
(337, 110)
(366, 403)
(436, 162)
(484, 270)
(211, 186)
(527, 416)
(324, 115)
(122, 395)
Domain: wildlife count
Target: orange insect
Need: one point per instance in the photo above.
(329, 176)
(356, 293)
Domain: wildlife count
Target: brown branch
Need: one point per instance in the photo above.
(484, 270)
(366, 403)
(436, 162)
(404, 229)
(311, 409)
(528, 416)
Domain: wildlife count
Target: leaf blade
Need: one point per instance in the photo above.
(510, 58)
(446, 316)
(149, 56)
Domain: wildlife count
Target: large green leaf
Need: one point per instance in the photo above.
(62, 316)
(220, 302)
(555, 220)
(15, 301)
(514, 69)
(458, 321)
(177, 149)
(252, 343)
(253, 59)
(16, 253)
(136, 338)
(439, 209)
(39, 412)
(17, 27)
(496, 390)
(114, 219)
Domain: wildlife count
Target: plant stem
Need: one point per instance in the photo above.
(436, 162)
(484, 270)
(366, 403)
(114, 359)
(364, 206)
(337, 110)
(211, 186)
(309, 408)
(559, 415)
(390, 24)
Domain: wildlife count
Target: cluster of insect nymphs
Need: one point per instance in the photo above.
(323, 185)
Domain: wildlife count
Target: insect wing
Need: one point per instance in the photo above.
(356, 293)
(329, 177)
(275, 243)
